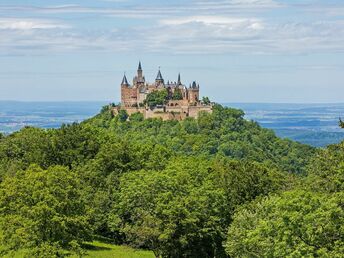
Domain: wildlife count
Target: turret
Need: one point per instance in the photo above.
(139, 71)
(125, 81)
(139, 79)
(159, 80)
(179, 81)
(193, 92)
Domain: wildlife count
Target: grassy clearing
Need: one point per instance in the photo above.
(103, 250)
(98, 249)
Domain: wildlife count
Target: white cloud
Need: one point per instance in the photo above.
(253, 2)
(199, 34)
(29, 24)
(213, 28)
(198, 6)
(239, 3)
(217, 21)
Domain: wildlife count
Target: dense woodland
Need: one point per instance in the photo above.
(216, 186)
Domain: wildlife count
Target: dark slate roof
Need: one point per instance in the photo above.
(179, 81)
(140, 67)
(159, 77)
(194, 85)
(125, 81)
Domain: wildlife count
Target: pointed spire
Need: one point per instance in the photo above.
(125, 81)
(194, 85)
(159, 77)
(140, 67)
(179, 81)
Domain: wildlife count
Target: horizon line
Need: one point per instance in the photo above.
(222, 102)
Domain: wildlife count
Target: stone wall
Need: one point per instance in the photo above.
(167, 112)
(128, 96)
(195, 110)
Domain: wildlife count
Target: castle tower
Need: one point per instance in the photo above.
(179, 81)
(139, 79)
(128, 93)
(139, 70)
(159, 81)
(193, 93)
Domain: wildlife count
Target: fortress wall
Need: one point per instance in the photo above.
(132, 110)
(194, 110)
(176, 109)
(156, 114)
(165, 115)
(178, 103)
(169, 113)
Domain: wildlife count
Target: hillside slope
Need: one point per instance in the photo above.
(171, 187)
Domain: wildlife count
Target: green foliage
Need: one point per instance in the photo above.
(184, 209)
(326, 171)
(305, 222)
(42, 209)
(123, 115)
(206, 100)
(26, 146)
(177, 94)
(295, 224)
(137, 117)
(105, 109)
(51, 250)
(158, 97)
(170, 186)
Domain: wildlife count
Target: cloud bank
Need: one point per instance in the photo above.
(227, 26)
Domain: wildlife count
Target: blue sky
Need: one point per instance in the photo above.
(238, 50)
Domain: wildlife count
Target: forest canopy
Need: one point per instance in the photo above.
(216, 186)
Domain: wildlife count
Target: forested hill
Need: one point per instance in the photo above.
(225, 133)
(167, 186)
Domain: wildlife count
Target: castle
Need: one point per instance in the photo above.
(179, 101)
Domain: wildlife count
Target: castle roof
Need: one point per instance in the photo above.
(140, 67)
(159, 77)
(125, 81)
(179, 81)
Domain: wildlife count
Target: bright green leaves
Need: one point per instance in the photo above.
(170, 186)
(305, 222)
(186, 208)
(295, 224)
(155, 98)
(326, 172)
(42, 207)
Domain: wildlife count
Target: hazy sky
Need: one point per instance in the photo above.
(238, 50)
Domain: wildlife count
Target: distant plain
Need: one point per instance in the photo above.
(314, 124)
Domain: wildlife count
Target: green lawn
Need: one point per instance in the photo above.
(103, 250)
